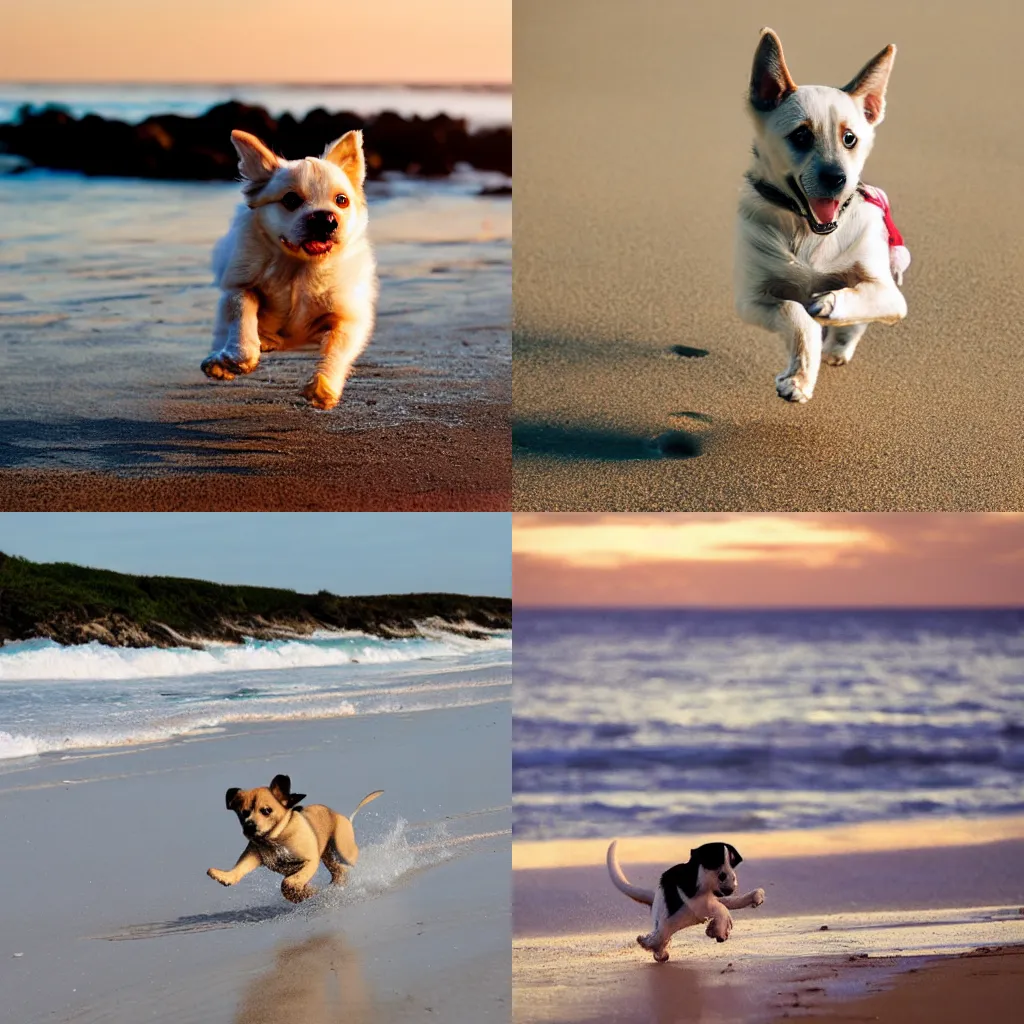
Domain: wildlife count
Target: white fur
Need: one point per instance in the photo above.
(775, 244)
(276, 295)
(704, 907)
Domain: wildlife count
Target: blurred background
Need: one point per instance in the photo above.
(693, 674)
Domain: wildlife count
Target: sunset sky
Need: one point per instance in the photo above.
(769, 560)
(262, 41)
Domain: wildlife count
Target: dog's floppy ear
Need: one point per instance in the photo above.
(256, 163)
(734, 855)
(281, 787)
(294, 800)
(231, 798)
(869, 84)
(770, 80)
(347, 153)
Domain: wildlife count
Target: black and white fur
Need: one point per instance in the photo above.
(818, 271)
(699, 891)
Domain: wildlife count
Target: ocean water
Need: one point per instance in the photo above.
(482, 107)
(644, 722)
(56, 698)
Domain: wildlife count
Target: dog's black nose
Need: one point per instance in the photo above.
(320, 225)
(832, 178)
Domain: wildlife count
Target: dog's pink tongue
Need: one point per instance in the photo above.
(824, 209)
(315, 248)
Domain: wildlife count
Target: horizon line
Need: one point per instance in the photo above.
(496, 85)
(766, 608)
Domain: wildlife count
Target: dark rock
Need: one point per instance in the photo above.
(199, 148)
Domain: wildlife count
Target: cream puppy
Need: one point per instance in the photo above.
(296, 267)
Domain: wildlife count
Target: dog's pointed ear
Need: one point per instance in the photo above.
(870, 82)
(256, 163)
(281, 787)
(770, 80)
(231, 798)
(734, 856)
(294, 800)
(347, 153)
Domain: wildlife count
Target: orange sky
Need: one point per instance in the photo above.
(767, 559)
(263, 41)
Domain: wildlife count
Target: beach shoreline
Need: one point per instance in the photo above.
(124, 317)
(129, 921)
(848, 911)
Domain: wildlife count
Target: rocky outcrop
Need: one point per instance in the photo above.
(199, 148)
(75, 605)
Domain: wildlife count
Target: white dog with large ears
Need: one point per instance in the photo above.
(818, 256)
(296, 267)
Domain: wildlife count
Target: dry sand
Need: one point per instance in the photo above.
(108, 914)
(106, 310)
(847, 916)
(631, 142)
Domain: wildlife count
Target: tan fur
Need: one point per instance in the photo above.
(290, 840)
(287, 282)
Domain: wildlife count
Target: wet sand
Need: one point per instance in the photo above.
(632, 140)
(106, 311)
(846, 914)
(113, 918)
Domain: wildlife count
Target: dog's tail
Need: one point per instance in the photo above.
(634, 892)
(366, 799)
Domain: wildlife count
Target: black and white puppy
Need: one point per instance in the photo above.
(699, 891)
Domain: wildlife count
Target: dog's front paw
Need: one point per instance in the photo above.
(221, 366)
(296, 893)
(758, 897)
(794, 387)
(661, 956)
(319, 393)
(822, 306)
(220, 876)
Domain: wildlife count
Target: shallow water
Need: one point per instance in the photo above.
(657, 721)
(107, 308)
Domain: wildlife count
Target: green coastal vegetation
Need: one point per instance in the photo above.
(73, 604)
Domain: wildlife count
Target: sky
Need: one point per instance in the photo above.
(751, 560)
(263, 41)
(344, 552)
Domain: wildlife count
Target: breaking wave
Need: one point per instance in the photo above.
(45, 659)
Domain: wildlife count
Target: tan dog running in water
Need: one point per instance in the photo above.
(289, 839)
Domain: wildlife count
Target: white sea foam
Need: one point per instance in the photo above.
(47, 660)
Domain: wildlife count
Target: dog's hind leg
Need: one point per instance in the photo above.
(341, 852)
(803, 337)
(236, 339)
(657, 939)
(841, 343)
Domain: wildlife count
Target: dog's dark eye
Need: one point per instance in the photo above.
(341, 200)
(801, 139)
(291, 201)
(849, 139)
(265, 811)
